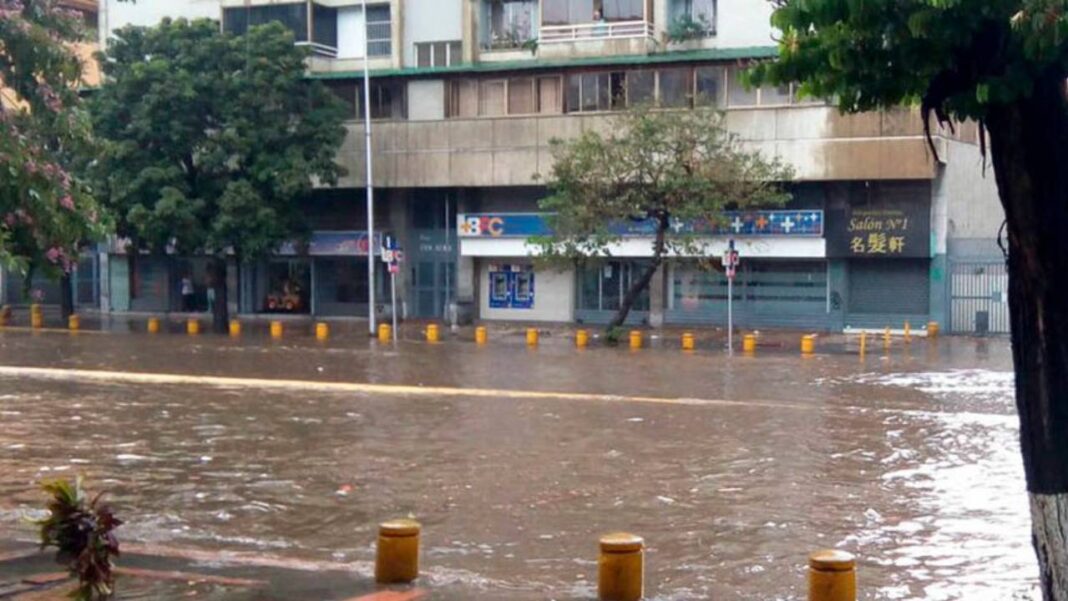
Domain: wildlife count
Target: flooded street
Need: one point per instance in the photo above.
(733, 469)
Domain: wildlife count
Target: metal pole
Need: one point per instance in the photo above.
(730, 315)
(393, 295)
(371, 325)
(448, 265)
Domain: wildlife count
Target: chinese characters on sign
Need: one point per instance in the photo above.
(896, 231)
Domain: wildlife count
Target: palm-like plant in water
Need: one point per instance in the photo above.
(83, 533)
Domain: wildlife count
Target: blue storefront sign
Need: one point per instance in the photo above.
(732, 223)
(335, 244)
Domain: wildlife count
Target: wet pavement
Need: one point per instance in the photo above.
(731, 468)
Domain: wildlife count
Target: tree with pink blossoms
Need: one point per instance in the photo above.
(46, 212)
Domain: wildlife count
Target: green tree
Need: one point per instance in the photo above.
(46, 212)
(1004, 64)
(658, 168)
(211, 141)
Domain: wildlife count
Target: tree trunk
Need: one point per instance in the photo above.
(1029, 147)
(66, 296)
(642, 283)
(220, 313)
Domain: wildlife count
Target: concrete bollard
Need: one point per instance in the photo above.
(635, 340)
(192, 327)
(582, 339)
(433, 334)
(322, 331)
(385, 333)
(863, 343)
(933, 329)
(808, 344)
(277, 329)
(620, 569)
(153, 325)
(481, 335)
(908, 332)
(749, 343)
(74, 323)
(532, 336)
(688, 342)
(235, 328)
(832, 576)
(397, 558)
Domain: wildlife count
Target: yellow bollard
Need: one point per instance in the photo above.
(688, 343)
(863, 343)
(5, 315)
(35, 308)
(582, 339)
(322, 331)
(932, 329)
(832, 576)
(481, 336)
(36, 319)
(808, 344)
(153, 325)
(635, 340)
(532, 337)
(235, 328)
(749, 343)
(192, 327)
(74, 323)
(908, 332)
(385, 333)
(397, 559)
(433, 334)
(277, 329)
(620, 569)
(886, 338)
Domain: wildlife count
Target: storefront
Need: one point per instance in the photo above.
(330, 279)
(880, 236)
(783, 279)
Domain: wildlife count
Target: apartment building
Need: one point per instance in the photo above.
(465, 96)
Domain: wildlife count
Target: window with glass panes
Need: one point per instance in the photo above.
(438, 54)
(379, 30)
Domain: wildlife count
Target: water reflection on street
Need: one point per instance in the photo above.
(910, 460)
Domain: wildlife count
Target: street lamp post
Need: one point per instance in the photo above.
(370, 177)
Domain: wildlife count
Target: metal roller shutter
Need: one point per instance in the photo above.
(900, 286)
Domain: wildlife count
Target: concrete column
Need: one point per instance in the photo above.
(658, 297)
(470, 31)
(466, 271)
(397, 17)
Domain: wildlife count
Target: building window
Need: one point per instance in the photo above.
(324, 25)
(491, 98)
(567, 12)
(589, 92)
(695, 18)
(462, 98)
(347, 92)
(710, 86)
(675, 87)
(521, 96)
(621, 10)
(738, 93)
(550, 95)
(379, 30)
(438, 54)
(510, 23)
(641, 88)
(389, 99)
(603, 285)
(293, 16)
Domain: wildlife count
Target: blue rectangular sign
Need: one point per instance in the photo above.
(732, 223)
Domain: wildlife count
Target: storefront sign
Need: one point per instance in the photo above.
(335, 244)
(732, 223)
(902, 230)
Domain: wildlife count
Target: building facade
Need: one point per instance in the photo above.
(465, 97)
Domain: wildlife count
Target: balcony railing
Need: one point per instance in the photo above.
(318, 49)
(596, 31)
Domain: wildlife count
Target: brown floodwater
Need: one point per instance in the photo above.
(909, 460)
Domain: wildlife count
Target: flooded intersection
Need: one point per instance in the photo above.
(731, 468)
